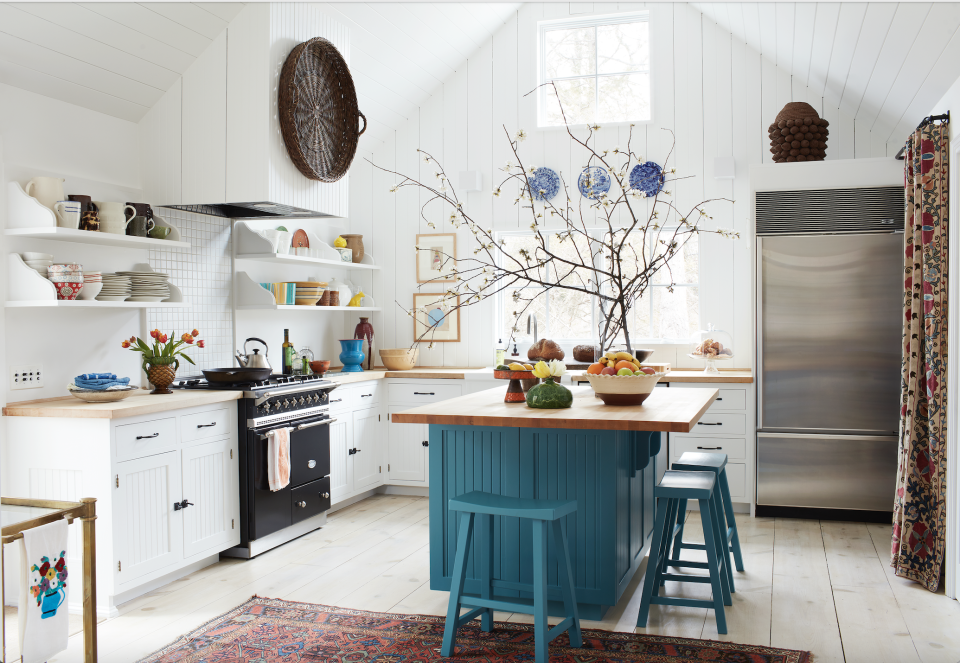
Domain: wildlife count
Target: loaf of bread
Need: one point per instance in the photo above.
(586, 354)
(545, 350)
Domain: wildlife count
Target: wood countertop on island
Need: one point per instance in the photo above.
(670, 410)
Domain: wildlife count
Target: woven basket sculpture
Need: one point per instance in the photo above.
(798, 134)
(319, 116)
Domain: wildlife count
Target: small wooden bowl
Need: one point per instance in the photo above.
(320, 367)
(514, 389)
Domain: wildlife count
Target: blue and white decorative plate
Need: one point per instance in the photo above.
(593, 182)
(647, 178)
(544, 183)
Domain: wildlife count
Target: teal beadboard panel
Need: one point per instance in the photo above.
(608, 473)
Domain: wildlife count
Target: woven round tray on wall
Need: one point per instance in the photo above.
(319, 115)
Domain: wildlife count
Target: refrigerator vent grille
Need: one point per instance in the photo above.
(879, 209)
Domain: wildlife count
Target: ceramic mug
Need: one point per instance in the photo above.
(68, 213)
(140, 226)
(114, 217)
(159, 232)
(47, 190)
(143, 209)
(283, 241)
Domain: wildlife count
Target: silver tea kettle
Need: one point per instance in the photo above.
(255, 360)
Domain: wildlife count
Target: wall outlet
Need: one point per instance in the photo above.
(27, 377)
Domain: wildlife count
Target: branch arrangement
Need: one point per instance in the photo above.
(616, 266)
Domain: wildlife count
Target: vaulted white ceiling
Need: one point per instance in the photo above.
(117, 58)
(887, 64)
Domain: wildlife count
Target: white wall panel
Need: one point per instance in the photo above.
(204, 137)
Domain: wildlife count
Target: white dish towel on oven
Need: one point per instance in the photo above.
(278, 458)
(44, 591)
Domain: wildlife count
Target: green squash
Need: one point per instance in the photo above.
(548, 395)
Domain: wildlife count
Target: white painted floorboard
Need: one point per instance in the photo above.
(822, 586)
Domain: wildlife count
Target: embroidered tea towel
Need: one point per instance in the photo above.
(43, 613)
(278, 458)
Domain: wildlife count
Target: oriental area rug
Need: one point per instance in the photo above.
(273, 631)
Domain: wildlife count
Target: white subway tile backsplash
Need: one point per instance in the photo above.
(204, 275)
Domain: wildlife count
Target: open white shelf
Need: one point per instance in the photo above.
(27, 289)
(32, 219)
(251, 245)
(251, 296)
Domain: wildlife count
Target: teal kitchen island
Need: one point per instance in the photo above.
(601, 456)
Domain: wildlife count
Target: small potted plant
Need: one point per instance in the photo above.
(548, 395)
(160, 361)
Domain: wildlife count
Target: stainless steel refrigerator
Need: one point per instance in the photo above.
(829, 312)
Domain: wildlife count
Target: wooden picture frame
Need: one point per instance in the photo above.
(430, 249)
(449, 332)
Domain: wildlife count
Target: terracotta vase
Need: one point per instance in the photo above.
(161, 371)
(355, 244)
(364, 331)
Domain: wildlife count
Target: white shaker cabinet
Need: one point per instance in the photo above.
(357, 442)
(212, 492)
(407, 454)
(367, 448)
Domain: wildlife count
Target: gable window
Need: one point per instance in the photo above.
(600, 66)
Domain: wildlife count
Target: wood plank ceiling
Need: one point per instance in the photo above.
(887, 64)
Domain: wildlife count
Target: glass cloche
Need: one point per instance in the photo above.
(712, 345)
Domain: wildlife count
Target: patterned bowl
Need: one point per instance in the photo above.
(623, 389)
(68, 290)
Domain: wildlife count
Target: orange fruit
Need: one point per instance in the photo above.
(594, 369)
(623, 363)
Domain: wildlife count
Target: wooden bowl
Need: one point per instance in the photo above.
(514, 375)
(399, 359)
(623, 389)
(320, 367)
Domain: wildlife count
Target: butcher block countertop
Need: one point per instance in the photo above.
(132, 406)
(673, 410)
(380, 373)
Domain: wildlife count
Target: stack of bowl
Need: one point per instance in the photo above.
(38, 262)
(92, 285)
(309, 292)
(67, 278)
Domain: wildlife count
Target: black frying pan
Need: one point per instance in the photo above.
(237, 374)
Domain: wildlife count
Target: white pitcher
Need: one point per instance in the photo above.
(113, 217)
(48, 190)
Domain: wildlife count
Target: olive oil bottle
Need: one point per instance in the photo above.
(289, 353)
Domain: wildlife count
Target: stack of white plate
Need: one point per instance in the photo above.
(148, 286)
(38, 262)
(116, 288)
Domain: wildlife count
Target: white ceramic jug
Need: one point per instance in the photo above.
(48, 190)
(113, 217)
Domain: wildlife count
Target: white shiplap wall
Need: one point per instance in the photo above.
(717, 94)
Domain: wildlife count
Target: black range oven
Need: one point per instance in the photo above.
(271, 518)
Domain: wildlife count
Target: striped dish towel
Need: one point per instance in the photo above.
(278, 458)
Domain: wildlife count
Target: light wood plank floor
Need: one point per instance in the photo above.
(821, 586)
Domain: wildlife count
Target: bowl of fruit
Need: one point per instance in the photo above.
(621, 380)
(520, 376)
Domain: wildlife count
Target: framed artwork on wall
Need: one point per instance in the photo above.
(436, 258)
(432, 310)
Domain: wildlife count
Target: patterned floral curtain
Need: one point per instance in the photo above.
(920, 507)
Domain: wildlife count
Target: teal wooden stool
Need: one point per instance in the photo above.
(542, 513)
(726, 520)
(679, 486)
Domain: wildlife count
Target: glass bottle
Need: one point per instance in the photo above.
(306, 356)
(288, 353)
(499, 353)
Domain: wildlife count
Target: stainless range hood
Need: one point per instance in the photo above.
(258, 210)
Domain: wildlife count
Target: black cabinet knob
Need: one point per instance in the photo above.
(425, 443)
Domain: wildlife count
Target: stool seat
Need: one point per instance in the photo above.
(518, 507)
(702, 461)
(684, 484)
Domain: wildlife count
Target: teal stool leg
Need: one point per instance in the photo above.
(678, 539)
(464, 537)
(717, 579)
(540, 627)
(673, 509)
(731, 533)
(720, 531)
(651, 582)
(566, 582)
(486, 570)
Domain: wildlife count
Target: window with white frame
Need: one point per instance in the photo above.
(601, 69)
(668, 311)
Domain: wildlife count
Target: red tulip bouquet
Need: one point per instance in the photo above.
(160, 360)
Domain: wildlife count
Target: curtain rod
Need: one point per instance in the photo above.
(930, 119)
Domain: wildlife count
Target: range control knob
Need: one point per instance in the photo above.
(286, 403)
(302, 400)
(266, 406)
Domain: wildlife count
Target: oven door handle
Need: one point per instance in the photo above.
(316, 423)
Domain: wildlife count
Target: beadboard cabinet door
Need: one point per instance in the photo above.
(148, 533)
(341, 461)
(407, 453)
(210, 486)
(368, 445)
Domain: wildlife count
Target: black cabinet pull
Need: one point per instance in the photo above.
(710, 448)
(365, 395)
(207, 425)
(353, 451)
(425, 443)
(336, 400)
(181, 505)
(700, 423)
(719, 399)
(147, 437)
(424, 393)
